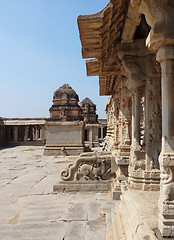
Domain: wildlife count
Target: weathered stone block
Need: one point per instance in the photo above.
(82, 186)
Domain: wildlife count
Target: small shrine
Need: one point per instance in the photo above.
(91, 122)
(65, 127)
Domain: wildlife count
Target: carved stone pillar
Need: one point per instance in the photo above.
(165, 56)
(15, 133)
(160, 16)
(135, 146)
(153, 126)
(118, 119)
(123, 153)
(125, 109)
(111, 125)
(122, 136)
(142, 70)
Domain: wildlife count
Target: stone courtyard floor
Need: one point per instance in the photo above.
(29, 209)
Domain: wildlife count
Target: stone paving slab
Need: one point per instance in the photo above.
(76, 230)
(29, 208)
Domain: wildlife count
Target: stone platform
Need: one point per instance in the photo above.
(136, 217)
(29, 208)
(63, 150)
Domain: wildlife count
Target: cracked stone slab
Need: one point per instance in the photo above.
(96, 229)
(76, 231)
(36, 231)
(93, 210)
(76, 213)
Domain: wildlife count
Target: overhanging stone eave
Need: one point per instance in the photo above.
(132, 20)
(99, 14)
(109, 80)
(90, 27)
(93, 67)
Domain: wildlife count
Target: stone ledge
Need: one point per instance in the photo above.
(82, 186)
(63, 150)
(52, 122)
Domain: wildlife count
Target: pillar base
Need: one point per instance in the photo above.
(166, 227)
(144, 180)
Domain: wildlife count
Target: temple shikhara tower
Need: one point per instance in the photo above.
(131, 46)
(65, 105)
(91, 122)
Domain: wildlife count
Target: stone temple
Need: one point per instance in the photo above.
(130, 46)
(71, 129)
(91, 123)
(65, 128)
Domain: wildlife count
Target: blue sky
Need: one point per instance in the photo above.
(40, 50)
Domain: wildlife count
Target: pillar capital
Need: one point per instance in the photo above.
(159, 16)
(166, 52)
(139, 63)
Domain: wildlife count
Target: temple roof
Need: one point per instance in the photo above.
(65, 91)
(87, 101)
(101, 35)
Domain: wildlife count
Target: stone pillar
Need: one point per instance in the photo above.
(22, 133)
(121, 136)
(34, 133)
(165, 56)
(148, 124)
(91, 137)
(37, 132)
(125, 110)
(43, 133)
(153, 120)
(26, 133)
(102, 133)
(15, 133)
(143, 80)
(1, 132)
(109, 140)
(135, 146)
(8, 133)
